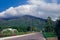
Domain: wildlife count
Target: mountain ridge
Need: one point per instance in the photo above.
(25, 21)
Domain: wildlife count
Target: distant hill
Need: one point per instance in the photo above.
(25, 20)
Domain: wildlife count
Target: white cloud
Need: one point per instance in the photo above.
(38, 8)
(48, 9)
(15, 11)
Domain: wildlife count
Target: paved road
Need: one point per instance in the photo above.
(37, 36)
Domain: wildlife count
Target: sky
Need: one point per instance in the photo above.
(38, 8)
(5, 4)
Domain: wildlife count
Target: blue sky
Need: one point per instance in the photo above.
(38, 8)
(5, 4)
(50, 1)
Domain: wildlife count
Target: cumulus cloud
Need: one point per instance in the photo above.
(48, 9)
(38, 8)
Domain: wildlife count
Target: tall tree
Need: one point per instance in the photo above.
(49, 25)
(57, 28)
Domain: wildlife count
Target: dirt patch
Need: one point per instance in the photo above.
(53, 38)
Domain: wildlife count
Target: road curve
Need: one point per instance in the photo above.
(37, 36)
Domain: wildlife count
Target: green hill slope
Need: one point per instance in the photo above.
(23, 21)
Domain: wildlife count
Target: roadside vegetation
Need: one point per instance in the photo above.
(49, 34)
(17, 31)
(49, 28)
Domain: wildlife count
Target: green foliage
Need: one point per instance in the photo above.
(7, 32)
(29, 28)
(35, 29)
(57, 28)
(49, 34)
(49, 25)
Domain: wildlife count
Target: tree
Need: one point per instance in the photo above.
(29, 28)
(0, 28)
(49, 25)
(57, 28)
(35, 29)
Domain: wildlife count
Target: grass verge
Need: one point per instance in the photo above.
(49, 34)
(18, 33)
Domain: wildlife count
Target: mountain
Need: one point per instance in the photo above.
(25, 21)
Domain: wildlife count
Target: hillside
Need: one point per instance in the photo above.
(25, 21)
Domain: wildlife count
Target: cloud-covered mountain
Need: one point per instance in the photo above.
(38, 8)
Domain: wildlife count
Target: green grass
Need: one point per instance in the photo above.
(10, 34)
(21, 33)
(49, 34)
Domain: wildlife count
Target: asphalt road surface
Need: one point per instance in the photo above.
(37, 36)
